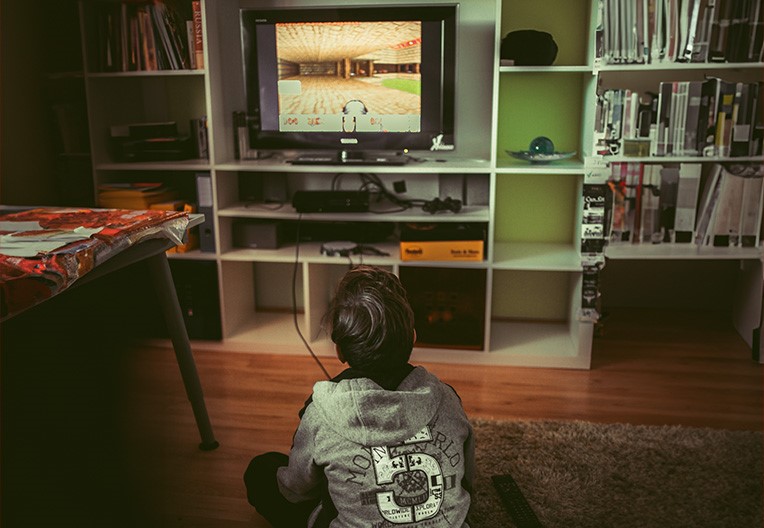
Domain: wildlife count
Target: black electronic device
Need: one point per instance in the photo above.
(437, 205)
(150, 142)
(259, 234)
(331, 201)
(370, 57)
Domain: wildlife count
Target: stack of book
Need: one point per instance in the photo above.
(683, 118)
(657, 31)
(685, 203)
(134, 195)
(150, 35)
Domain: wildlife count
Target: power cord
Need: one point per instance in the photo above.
(371, 182)
(294, 299)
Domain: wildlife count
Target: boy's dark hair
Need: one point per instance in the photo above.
(370, 319)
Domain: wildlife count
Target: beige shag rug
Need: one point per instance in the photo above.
(580, 474)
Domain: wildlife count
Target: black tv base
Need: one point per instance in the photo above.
(345, 157)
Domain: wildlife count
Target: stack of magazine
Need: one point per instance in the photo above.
(657, 31)
(685, 203)
(682, 118)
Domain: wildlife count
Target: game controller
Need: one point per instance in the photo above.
(437, 205)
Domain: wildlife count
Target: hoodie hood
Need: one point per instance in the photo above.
(365, 413)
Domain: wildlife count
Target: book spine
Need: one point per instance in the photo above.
(204, 199)
(198, 34)
(686, 201)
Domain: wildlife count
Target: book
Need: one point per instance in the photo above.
(724, 225)
(635, 172)
(667, 202)
(650, 224)
(707, 117)
(708, 197)
(751, 209)
(663, 119)
(686, 201)
(204, 199)
(719, 30)
(196, 6)
(200, 141)
(692, 120)
(724, 109)
(190, 43)
(703, 31)
(742, 126)
(617, 185)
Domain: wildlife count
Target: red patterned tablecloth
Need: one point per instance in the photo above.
(28, 276)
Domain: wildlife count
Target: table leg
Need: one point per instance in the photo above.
(159, 269)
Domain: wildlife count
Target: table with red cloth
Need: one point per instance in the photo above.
(28, 280)
(45, 251)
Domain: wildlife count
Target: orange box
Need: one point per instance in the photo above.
(460, 250)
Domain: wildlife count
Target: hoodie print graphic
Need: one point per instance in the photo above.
(416, 479)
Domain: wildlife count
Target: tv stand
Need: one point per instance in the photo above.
(347, 157)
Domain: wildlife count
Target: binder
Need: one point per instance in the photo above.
(686, 201)
(204, 197)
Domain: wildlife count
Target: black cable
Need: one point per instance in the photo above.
(294, 299)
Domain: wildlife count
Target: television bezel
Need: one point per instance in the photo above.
(438, 87)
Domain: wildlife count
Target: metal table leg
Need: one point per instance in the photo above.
(159, 269)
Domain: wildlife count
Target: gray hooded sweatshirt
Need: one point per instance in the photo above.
(390, 458)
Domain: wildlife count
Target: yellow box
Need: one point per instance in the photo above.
(460, 250)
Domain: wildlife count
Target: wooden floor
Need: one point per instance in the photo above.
(647, 368)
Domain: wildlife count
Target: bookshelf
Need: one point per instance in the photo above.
(523, 300)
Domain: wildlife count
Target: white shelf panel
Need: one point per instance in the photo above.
(311, 252)
(536, 256)
(513, 166)
(506, 68)
(429, 165)
(415, 214)
(683, 159)
(680, 252)
(679, 66)
(146, 73)
(189, 165)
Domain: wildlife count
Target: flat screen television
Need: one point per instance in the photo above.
(362, 78)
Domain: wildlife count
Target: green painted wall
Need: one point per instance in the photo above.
(530, 295)
(539, 104)
(536, 208)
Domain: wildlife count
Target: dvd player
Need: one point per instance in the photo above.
(345, 157)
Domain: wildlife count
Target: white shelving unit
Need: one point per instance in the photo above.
(532, 272)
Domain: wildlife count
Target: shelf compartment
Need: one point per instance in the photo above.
(258, 296)
(521, 118)
(537, 256)
(536, 208)
(141, 99)
(566, 21)
(449, 305)
(536, 344)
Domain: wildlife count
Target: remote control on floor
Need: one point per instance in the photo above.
(519, 510)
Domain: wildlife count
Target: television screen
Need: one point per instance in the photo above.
(350, 78)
